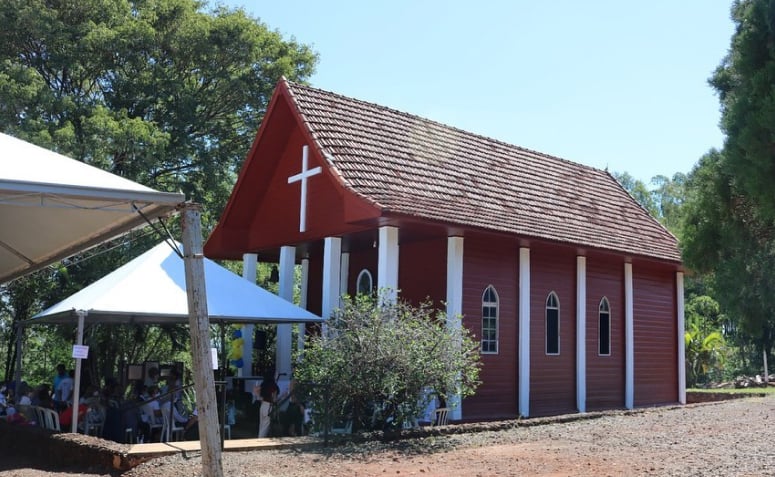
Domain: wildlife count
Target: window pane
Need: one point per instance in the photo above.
(604, 334)
(364, 282)
(552, 331)
(489, 343)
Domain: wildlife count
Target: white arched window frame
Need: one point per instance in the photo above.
(490, 311)
(604, 328)
(552, 323)
(364, 285)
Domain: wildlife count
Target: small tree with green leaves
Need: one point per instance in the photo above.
(380, 365)
(706, 347)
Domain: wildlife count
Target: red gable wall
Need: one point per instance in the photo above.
(255, 223)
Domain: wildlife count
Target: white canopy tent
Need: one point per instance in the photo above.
(52, 206)
(152, 289)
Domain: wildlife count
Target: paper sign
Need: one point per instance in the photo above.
(214, 356)
(80, 352)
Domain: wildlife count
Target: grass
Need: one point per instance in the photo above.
(767, 390)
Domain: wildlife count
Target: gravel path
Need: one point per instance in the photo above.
(730, 438)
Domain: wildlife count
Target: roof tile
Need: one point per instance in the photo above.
(414, 166)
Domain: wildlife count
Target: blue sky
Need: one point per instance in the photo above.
(611, 84)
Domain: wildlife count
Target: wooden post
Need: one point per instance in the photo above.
(766, 371)
(77, 378)
(199, 328)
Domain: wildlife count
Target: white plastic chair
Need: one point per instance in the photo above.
(231, 418)
(152, 420)
(345, 427)
(51, 419)
(95, 421)
(177, 431)
(440, 417)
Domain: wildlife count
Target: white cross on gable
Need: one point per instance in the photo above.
(302, 177)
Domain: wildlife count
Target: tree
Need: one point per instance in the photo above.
(743, 82)
(730, 223)
(704, 340)
(664, 201)
(375, 364)
(669, 194)
(158, 91)
(638, 190)
(726, 238)
(163, 92)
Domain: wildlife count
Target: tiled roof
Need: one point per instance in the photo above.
(409, 165)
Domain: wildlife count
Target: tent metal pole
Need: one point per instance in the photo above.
(18, 371)
(222, 410)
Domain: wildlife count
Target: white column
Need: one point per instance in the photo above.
(332, 251)
(249, 262)
(387, 262)
(455, 304)
(284, 331)
(679, 293)
(344, 275)
(524, 332)
(581, 334)
(303, 300)
(629, 340)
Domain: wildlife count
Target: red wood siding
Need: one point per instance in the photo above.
(552, 378)
(655, 333)
(360, 259)
(605, 374)
(486, 262)
(422, 271)
(315, 285)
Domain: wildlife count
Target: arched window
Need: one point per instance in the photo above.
(364, 283)
(604, 328)
(552, 324)
(490, 320)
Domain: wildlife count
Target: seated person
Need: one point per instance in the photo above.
(27, 397)
(187, 421)
(66, 416)
(150, 412)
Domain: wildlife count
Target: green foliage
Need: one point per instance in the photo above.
(663, 198)
(160, 91)
(167, 93)
(638, 190)
(729, 226)
(727, 239)
(744, 82)
(706, 350)
(375, 364)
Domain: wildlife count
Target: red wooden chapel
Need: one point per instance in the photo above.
(574, 291)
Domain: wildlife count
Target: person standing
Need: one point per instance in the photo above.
(63, 393)
(267, 393)
(59, 376)
(152, 379)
